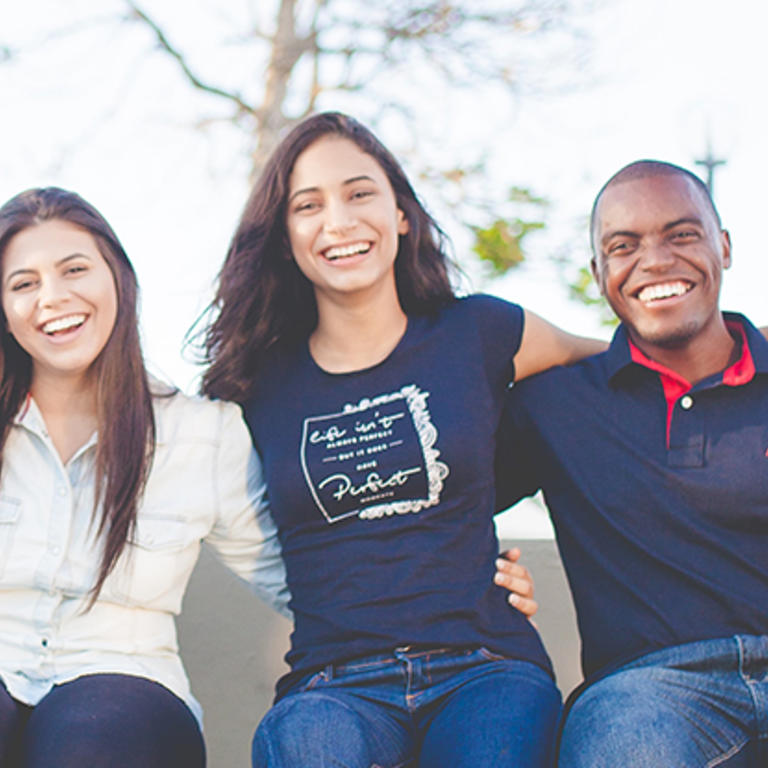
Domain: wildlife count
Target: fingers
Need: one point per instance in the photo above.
(513, 555)
(526, 605)
(517, 579)
(514, 577)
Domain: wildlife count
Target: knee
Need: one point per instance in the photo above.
(618, 721)
(115, 721)
(311, 729)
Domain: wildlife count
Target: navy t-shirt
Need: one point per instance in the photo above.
(381, 484)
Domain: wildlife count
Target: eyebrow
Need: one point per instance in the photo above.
(685, 220)
(76, 255)
(346, 182)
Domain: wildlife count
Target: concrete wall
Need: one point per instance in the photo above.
(233, 647)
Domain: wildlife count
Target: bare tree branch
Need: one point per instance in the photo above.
(165, 45)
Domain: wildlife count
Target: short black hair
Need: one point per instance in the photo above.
(643, 169)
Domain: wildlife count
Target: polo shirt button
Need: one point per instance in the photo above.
(686, 403)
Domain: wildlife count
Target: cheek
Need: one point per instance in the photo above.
(104, 295)
(13, 317)
(300, 235)
(602, 277)
(613, 276)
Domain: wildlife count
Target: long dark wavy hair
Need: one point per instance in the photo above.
(263, 299)
(126, 425)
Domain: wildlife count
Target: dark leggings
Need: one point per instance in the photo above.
(100, 721)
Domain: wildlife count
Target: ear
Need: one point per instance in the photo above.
(596, 274)
(403, 227)
(726, 243)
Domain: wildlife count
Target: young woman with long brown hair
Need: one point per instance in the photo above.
(108, 484)
(373, 396)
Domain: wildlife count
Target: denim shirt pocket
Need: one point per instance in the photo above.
(10, 514)
(156, 564)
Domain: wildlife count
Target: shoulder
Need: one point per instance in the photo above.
(484, 311)
(482, 304)
(182, 417)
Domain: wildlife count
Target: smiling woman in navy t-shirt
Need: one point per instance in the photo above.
(373, 396)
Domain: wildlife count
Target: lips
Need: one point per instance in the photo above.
(666, 290)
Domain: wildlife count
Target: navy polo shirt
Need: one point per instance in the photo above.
(658, 492)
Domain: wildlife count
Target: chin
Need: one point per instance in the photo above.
(669, 338)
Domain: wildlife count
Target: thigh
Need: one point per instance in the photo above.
(12, 719)
(653, 716)
(504, 714)
(331, 727)
(112, 721)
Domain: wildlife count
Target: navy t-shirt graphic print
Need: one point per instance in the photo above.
(373, 458)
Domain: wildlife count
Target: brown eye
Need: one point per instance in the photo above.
(306, 206)
(618, 248)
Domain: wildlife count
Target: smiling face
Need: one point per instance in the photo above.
(343, 221)
(659, 256)
(59, 298)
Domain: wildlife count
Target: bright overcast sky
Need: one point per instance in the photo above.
(94, 111)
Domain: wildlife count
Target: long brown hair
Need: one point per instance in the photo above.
(263, 299)
(126, 425)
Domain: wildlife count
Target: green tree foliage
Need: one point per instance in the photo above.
(501, 245)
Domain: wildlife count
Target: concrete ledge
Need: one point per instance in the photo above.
(233, 646)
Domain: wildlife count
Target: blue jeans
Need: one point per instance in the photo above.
(433, 709)
(702, 704)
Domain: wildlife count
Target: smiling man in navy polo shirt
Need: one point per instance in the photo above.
(653, 458)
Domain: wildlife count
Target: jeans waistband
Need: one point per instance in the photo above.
(400, 655)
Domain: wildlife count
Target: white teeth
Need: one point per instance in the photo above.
(663, 291)
(340, 251)
(63, 323)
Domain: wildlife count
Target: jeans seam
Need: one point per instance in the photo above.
(720, 759)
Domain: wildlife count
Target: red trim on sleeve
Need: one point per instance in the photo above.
(675, 386)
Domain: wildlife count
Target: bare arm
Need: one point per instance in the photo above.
(544, 345)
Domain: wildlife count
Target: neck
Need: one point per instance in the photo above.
(68, 407)
(354, 335)
(710, 352)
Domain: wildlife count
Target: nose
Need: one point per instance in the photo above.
(53, 292)
(656, 257)
(340, 217)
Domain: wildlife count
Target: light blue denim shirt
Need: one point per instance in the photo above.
(205, 484)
